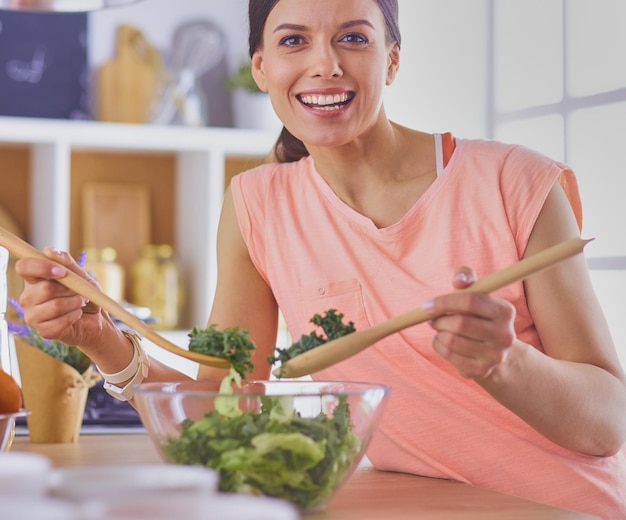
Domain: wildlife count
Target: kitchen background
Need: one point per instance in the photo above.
(551, 75)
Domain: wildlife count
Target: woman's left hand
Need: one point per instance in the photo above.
(475, 331)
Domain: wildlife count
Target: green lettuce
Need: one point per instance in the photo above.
(273, 451)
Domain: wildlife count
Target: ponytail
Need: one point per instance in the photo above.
(289, 148)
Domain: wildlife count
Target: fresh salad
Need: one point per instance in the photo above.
(274, 451)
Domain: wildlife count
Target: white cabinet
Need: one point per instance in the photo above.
(38, 169)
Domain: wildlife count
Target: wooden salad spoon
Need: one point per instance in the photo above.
(22, 249)
(347, 346)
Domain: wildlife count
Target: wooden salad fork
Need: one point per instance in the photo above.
(22, 249)
(349, 345)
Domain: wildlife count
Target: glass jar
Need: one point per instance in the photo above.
(156, 285)
(101, 264)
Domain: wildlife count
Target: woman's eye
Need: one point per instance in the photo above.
(291, 40)
(354, 38)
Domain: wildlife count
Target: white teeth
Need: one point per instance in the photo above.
(324, 101)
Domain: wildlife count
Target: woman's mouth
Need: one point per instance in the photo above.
(326, 102)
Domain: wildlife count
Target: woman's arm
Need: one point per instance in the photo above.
(575, 393)
(242, 298)
(57, 312)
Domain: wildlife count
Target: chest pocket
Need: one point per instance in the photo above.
(344, 296)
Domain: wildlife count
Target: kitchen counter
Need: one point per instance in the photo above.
(368, 494)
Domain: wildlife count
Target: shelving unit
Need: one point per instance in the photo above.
(43, 162)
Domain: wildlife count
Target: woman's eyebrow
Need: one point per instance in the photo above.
(298, 27)
(289, 27)
(353, 23)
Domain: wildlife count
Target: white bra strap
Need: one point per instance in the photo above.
(439, 154)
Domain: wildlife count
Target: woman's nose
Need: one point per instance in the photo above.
(325, 62)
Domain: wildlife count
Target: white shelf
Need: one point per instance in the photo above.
(200, 160)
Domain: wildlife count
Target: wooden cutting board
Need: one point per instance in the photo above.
(128, 85)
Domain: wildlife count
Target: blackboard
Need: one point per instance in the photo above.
(43, 65)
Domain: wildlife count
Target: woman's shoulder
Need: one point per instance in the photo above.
(272, 180)
(272, 171)
(502, 152)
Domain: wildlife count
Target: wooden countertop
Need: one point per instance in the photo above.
(369, 494)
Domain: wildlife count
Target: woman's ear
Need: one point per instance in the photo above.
(393, 64)
(257, 70)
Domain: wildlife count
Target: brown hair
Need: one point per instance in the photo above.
(289, 148)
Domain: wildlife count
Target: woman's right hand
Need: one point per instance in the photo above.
(52, 309)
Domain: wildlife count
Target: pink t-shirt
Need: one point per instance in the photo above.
(317, 253)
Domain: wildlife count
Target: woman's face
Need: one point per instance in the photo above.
(325, 65)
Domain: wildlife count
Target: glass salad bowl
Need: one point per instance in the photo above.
(7, 428)
(294, 440)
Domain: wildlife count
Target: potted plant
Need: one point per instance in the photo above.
(55, 380)
(252, 107)
(242, 79)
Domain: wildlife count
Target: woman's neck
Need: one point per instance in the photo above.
(391, 163)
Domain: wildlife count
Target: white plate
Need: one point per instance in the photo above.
(36, 509)
(23, 474)
(82, 483)
(190, 506)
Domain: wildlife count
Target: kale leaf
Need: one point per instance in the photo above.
(331, 324)
(232, 344)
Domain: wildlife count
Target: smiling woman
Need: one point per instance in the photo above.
(293, 43)
(380, 197)
(369, 217)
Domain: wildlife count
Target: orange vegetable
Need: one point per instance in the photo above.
(10, 394)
